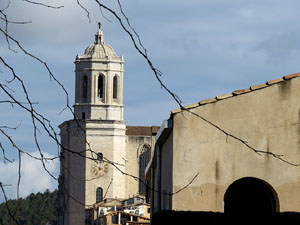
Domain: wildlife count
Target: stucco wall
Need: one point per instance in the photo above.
(167, 177)
(268, 119)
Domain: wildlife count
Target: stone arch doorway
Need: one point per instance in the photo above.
(250, 196)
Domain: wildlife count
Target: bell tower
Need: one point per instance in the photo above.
(99, 82)
(94, 143)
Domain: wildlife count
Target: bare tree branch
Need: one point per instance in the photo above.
(87, 12)
(38, 120)
(14, 22)
(42, 4)
(111, 180)
(12, 103)
(4, 155)
(12, 215)
(128, 22)
(103, 14)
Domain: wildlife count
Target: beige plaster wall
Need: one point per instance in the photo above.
(268, 119)
(167, 177)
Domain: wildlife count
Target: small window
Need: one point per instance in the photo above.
(115, 87)
(101, 212)
(99, 194)
(84, 86)
(99, 156)
(100, 86)
(83, 116)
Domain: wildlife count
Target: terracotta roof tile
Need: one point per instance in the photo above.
(274, 81)
(203, 102)
(242, 91)
(238, 92)
(220, 97)
(154, 129)
(287, 77)
(176, 111)
(191, 106)
(255, 87)
(138, 131)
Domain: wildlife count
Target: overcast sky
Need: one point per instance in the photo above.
(204, 48)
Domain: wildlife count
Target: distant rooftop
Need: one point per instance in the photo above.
(141, 130)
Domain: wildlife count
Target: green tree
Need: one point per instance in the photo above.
(35, 209)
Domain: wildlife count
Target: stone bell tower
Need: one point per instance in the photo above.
(94, 150)
(99, 82)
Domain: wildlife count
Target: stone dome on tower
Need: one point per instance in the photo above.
(99, 50)
(99, 82)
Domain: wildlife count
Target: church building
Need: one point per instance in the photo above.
(101, 157)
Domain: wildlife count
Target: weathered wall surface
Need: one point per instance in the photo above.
(167, 177)
(108, 138)
(268, 119)
(133, 145)
(82, 175)
(73, 173)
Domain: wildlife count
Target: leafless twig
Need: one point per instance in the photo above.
(42, 4)
(87, 12)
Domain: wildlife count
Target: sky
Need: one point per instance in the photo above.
(203, 48)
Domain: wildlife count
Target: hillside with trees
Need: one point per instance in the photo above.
(35, 209)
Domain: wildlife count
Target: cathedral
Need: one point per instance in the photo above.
(101, 157)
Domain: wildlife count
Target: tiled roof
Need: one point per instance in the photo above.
(141, 130)
(238, 92)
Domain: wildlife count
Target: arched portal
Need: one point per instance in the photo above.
(250, 196)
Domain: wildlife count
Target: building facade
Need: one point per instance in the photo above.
(101, 157)
(237, 153)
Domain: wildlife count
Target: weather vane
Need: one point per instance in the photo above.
(99, 25)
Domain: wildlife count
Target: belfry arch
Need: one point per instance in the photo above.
(250, 196)
(101, 87)
(115, 87)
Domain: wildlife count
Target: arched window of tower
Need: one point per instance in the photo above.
(115, 87)
(99, 194)
(101, 86)
(84, 87)
(144, 153)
